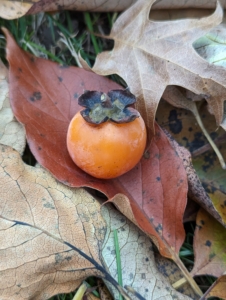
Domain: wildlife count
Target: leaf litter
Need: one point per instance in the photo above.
(218, 111)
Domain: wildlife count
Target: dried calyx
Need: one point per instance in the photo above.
(113, 106)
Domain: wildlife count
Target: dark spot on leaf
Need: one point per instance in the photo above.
(210, 158)
(158, 178)
(68, 258)
(20, 70)
(146, 290)
(58, 258)
(199, 227)
(36, 96)
(146, 259)
(76, 95)
(19, 285)
(202, 222)
(146, 155)
(175, 124)
(60, 79)
(143, 276)
(209, 188)
(158, 228)
(131, 276)
(32, 59)
(208, 243)
(39, 148)
(48, 205)
(190, 129)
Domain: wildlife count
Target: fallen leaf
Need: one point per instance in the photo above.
(12, 133)
(209, 246)
(15, 9)
(217, 289)
(46, 110)
(51, 235)
(207, 181)
(139, 271)
(154, 57)
(173, 274)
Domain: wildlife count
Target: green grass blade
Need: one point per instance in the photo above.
(118, 261)
(90, 27)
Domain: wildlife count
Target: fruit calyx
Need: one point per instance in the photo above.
(113, 106)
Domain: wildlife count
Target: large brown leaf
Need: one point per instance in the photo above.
(158, 54)
(44, 98)
(50, 234)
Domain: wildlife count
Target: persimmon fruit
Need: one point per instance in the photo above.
(110, 147)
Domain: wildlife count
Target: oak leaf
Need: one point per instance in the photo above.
(158, 54)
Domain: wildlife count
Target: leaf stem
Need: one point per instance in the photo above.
(208, 137)
(187, 276)
(118, 260)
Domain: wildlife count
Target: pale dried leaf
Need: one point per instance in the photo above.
(14, 9)
(137, 259)
(158, 54)
(50, 234)
(12, 133)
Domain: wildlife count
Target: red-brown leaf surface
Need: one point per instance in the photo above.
(153, 195)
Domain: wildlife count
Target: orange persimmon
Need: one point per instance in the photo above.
(106, 149)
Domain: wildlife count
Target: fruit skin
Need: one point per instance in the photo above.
(107, 150)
